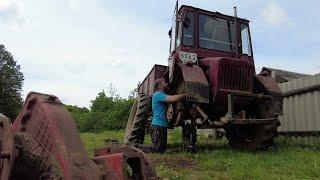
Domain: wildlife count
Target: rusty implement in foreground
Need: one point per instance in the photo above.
(43, 143)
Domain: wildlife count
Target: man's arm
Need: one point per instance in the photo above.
(174, 98)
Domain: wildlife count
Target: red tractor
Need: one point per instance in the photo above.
(211, 60)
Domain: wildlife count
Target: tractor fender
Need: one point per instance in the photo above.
(194, 83)
(268, 85)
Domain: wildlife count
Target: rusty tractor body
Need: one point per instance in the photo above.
(43, 143)
(211, 60)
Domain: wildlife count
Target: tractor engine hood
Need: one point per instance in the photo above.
(228, 74)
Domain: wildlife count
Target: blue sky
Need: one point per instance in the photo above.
(75, 48)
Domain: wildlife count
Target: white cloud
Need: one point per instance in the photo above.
(4, 3)
(117, 63)
(12, 12)
(82, 5)
(274, 14)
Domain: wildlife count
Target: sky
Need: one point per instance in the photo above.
(76, 48)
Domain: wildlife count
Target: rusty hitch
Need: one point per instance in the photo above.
(134, 164)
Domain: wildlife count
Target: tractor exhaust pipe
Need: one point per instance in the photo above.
(176, 21)
(236, 30)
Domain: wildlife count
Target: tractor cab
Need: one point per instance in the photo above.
(219, 45)
(198, 34)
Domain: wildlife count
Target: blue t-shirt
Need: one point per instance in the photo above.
(159, 117)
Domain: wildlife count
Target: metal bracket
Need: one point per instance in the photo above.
(116, 158)
(230, 107)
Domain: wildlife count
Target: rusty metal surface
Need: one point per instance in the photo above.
(112, 165)
(54, 138)
(133, 158)
(301, 105)
(196, 84)
(7, 149)
(156, 72)
(236, 75)
(225, 73)
(270, 84)
(49, 147)
(282, 76)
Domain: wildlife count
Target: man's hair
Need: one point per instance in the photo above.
(157, 83)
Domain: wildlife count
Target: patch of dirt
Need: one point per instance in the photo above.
(174, 163)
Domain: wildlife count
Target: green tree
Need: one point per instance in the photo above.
(108, 112)
(81, 117)
(102, 102)
(11, 81)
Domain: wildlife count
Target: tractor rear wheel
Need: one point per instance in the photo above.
(252, 137)
(137, 120)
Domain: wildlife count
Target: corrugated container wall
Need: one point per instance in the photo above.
(301, 112)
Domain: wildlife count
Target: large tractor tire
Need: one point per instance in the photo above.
(137, 120)
(252, 137)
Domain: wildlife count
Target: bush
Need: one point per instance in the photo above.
(107, 113)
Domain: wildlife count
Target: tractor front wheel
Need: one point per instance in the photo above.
(252, 137)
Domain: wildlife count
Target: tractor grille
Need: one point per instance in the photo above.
(236, 77)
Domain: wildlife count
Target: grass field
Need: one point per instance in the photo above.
(290, 158)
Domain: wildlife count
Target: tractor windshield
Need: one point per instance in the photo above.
(217, 34)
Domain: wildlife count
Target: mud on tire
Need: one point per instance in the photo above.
(252, 137)
(137, 120)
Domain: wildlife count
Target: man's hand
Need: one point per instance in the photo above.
(175, 98)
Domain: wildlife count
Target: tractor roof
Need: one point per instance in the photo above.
(213, 13)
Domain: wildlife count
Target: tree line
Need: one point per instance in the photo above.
(108, 112)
